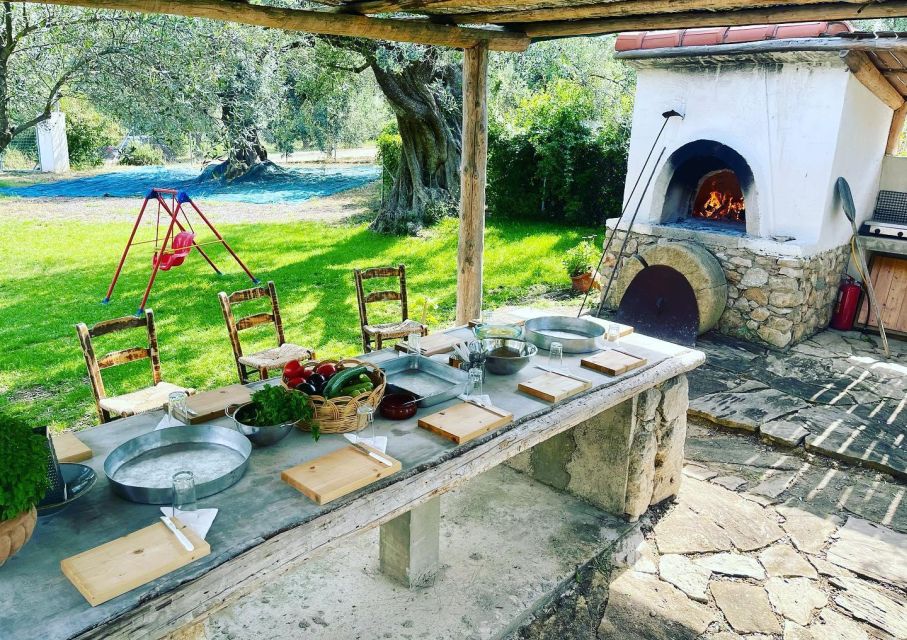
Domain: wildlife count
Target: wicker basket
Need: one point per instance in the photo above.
(339, 415)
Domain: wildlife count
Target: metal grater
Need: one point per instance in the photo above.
(889, 219)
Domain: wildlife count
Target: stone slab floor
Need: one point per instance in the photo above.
(761, 544)
(834, 394)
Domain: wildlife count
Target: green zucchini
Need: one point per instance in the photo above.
(340, 380)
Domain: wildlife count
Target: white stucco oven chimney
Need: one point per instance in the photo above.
(772, 116)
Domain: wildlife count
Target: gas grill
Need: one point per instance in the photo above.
(889, 220)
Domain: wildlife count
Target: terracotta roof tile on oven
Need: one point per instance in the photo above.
(710, 36)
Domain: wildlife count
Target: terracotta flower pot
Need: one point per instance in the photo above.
(14, 533)
(583, 282)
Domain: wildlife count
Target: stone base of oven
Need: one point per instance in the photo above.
(772, 300)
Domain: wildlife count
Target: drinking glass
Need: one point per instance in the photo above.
(413, 342)
(367, 413)
(613, 333)
(183, 492)
(176, 406)
(474, 388)
(556, 356)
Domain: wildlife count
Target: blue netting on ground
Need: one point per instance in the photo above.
(291, 185)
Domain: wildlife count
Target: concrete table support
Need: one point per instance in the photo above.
(622, 460)
(409, 545)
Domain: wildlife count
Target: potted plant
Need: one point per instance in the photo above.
(579, 262)
(22, 484)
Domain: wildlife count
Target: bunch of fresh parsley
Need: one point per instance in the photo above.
(279, 405)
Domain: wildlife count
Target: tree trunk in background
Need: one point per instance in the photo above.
(427, 184)
(245, 149)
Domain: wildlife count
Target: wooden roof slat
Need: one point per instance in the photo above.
(626, 8)
(319, 22)
(692, 19)
(886, 60)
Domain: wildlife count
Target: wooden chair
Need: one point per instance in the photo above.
(261, 361)
(389, 330)
(147, 399)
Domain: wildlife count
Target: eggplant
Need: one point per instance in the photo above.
(308, 389)
(318, 381)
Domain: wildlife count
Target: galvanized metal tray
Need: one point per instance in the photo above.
(433, 382)
(577, 335)
(141, 469)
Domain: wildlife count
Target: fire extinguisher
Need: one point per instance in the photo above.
(846, 304)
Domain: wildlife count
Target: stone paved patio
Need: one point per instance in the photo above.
(834, 395)
(793, 550)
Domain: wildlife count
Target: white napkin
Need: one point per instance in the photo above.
(199, 520)
(483, 400)
(378, 442)
(166, 423)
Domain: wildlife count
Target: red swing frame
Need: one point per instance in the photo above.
(173, 209)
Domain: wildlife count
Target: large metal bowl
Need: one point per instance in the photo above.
(506, 356)
(577, 335)
(259, 436)
(141, 469)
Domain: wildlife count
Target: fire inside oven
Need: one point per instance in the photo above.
(719, 197)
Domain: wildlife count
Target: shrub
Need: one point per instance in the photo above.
(549, 164)
(390, 147)
(140, 154)
(24, 478)
(87, 133)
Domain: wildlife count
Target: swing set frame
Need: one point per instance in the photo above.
(172, 209)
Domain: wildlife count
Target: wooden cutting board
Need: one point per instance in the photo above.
(553, 387)
(212, 404)
(465, 421)
(613, 362)
(433, 344)
(69, 448)
(338, 473)
(121, 565)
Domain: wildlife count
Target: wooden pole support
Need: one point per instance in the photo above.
(897, 127)
(473, 169)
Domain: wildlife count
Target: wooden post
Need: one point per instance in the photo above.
(473, 169)
(897, 127)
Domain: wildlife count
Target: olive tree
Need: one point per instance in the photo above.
(44, 50)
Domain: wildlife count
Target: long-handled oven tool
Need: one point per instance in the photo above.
(623, 246)
(843, 189)
(667, 115)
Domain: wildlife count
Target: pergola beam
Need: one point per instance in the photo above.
(717, 18)
(318, 22)
(870, 77)
(624, 9)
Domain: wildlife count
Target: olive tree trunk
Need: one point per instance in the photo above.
(425, 96)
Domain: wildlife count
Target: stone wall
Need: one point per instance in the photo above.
(775, 301)
(623, 460)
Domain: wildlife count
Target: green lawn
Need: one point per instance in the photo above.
(54, 275)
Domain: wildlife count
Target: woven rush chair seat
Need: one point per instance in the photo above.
(391, 330)
(148, 399)
(276, 357)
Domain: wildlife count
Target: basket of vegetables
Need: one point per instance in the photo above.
(336, 389)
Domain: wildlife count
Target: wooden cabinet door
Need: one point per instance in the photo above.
(889, 276)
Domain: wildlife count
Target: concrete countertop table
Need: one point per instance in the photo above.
(265, 526)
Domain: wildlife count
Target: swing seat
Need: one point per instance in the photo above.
(179, 249)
